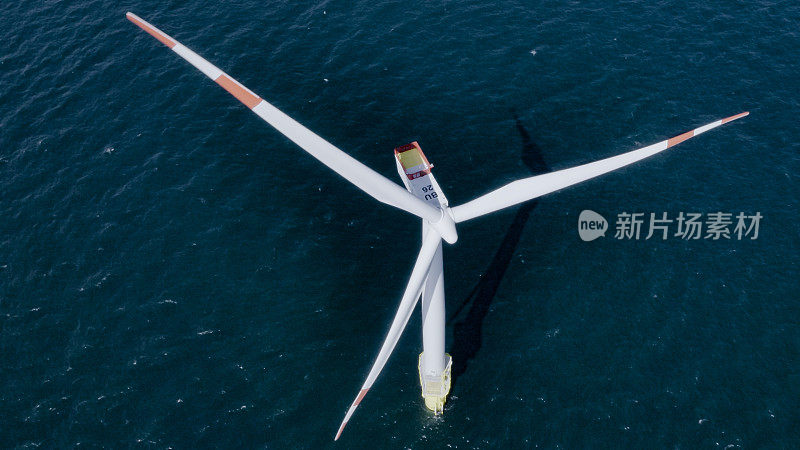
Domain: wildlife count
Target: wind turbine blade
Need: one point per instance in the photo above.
(529, 188)
(429, 245)
(340, 162)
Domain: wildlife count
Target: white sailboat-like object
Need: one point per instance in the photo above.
(424, 198)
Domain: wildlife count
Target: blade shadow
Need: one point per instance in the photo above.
(467, 320)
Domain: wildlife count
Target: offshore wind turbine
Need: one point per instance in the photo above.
(422, 197)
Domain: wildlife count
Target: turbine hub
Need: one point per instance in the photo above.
(446, 227)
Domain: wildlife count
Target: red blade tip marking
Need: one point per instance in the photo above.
(355, 403)
(153, 31)
(339, 433)
(737, 116)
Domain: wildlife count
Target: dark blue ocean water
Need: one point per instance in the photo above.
(174, 273)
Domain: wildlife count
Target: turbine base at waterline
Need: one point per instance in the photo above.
(435, 387)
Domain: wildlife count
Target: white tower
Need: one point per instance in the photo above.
(434, 364)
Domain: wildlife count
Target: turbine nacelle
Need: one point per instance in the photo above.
(416, 172)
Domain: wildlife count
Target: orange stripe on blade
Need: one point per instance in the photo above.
(738, 116)
(153, 31)
(360, 396)
(679, 138)
(238, 91)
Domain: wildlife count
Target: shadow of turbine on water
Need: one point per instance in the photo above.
(467, 320)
